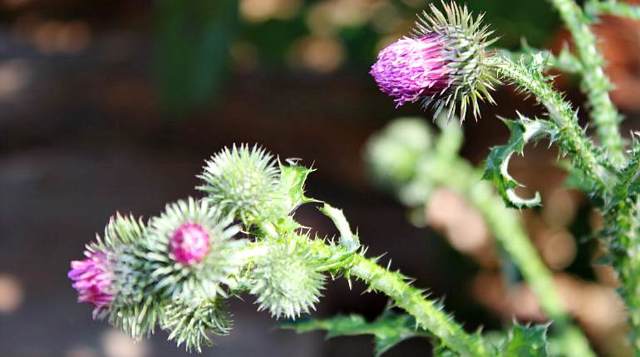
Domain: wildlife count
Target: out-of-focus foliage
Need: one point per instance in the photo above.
(193, 42)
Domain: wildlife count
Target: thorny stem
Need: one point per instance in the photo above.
(564, 62)
(428, 314)
(624, 247)
(595, 82)
(623, 241)
(342, 260)
(571, 138)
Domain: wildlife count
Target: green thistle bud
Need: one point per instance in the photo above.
(286, 279)
(195, 280)
(244, 182)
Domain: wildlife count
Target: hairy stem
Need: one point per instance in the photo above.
(595, 82)
(624, 247)
(564, 62)
(427, 313)
(459, 176)
(623, 241)
(571, 138)
(341, 260)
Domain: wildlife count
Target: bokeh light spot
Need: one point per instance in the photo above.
(11, 294)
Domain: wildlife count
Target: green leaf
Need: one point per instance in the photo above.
(388, 330)
(526, 341)
(292, 181)
(522, 131)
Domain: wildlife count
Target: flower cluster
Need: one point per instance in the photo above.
(176, 270)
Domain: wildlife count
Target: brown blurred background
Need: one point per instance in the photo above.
(114, 105)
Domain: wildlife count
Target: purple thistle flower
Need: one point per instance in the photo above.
(92, 279)
(189, 244)
(409, 69)
(443, 64)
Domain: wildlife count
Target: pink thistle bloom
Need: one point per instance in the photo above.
(93, 280)
(411, 68)
(189, 244)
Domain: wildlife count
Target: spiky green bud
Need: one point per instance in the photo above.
(244, 182)
(286, 280)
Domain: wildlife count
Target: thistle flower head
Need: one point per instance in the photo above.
(442, 63)
(412, 68)
(196, 235)
(121, 260)
(92, 279)
(243, 182)
(286, 280)
(189, 243)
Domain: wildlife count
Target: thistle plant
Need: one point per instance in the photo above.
(176, 271)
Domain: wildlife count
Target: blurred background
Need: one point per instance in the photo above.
(113, 105)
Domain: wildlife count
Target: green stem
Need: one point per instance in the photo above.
(340, 260)
(459, 176)
(571, 138)
(427, 313)
(624, 242)
(594, 80)
(624, 247)
(564, 62)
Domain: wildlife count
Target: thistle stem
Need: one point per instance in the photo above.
(624, 243)
(594, 80)
(624, 246)
(427, 313)
(571, 138)
(341, 260)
